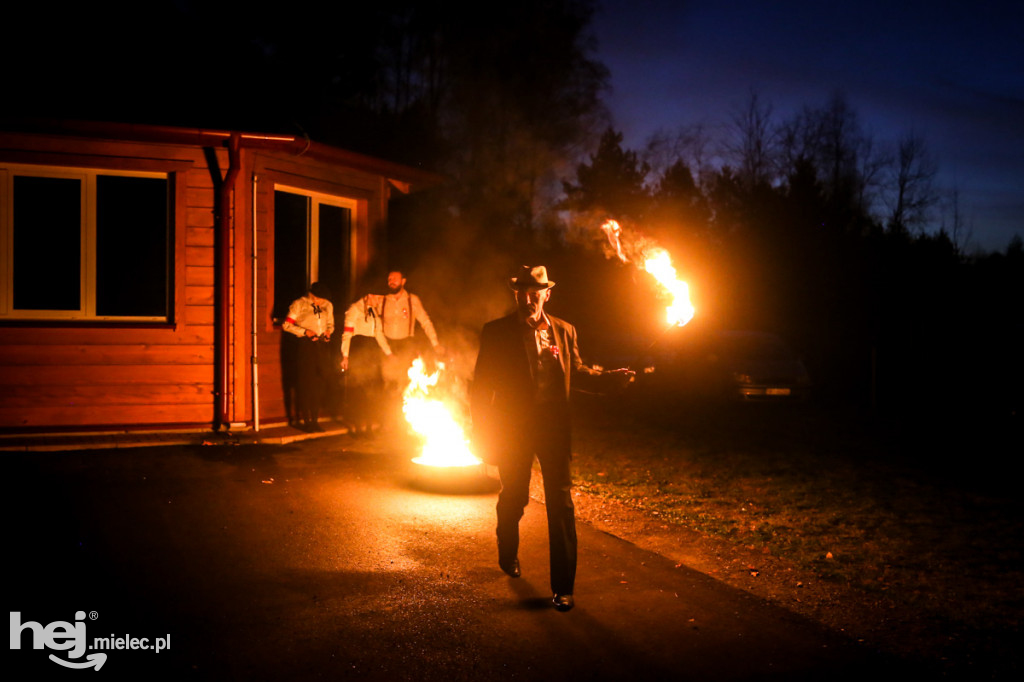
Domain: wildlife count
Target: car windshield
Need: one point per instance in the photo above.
(756, 348)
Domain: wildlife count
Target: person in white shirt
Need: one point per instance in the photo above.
(400, 311)
(363, 340)
(311, 319)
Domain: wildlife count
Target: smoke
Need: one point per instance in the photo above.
(457, 267)
(614, 239)
(460, 269)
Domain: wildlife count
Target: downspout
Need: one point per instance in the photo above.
(255, 337)
(222, 388)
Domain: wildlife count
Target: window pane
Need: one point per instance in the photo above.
(131, 246)
(291, 230)
(335, 223)
(47, 243)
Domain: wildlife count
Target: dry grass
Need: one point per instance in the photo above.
(919, 551)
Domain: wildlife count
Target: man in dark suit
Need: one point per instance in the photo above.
(520, 406)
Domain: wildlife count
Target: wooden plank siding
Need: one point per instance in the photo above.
(103, 394)
(101, 374)
(63, 374)
(112, 354)
(364, 189)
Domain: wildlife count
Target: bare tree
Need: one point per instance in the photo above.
(752, 142)
(692, 144)
(846, 160)
(954, 222)
(911, 187)
(872, 162)
(412, 63)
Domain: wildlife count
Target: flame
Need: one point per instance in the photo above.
(658, 264)
(680, 310)
(445, 442)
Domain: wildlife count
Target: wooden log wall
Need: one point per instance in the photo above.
(60, 375)
(369, 193)
(97, 374)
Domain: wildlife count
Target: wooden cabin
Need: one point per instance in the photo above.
(144, 270)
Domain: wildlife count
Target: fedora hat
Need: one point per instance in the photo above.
(535, 277)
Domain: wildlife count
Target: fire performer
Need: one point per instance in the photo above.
(520, 407)
(311, 319)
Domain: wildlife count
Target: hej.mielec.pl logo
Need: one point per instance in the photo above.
(63, 636)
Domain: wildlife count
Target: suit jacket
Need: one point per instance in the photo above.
(503, 391)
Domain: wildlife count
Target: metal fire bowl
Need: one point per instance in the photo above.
(459, 480)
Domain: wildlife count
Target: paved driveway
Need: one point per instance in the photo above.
(324, 560)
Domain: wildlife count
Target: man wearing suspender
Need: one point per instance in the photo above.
(400, 312)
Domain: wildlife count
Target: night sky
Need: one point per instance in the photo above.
(951, 72)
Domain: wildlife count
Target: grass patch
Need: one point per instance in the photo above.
(882, 516)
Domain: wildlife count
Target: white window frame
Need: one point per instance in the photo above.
(87, 269)
(313, 229)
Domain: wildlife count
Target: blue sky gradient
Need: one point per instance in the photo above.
(951, 72)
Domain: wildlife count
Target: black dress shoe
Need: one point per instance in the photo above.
(510, 567)
(563, 602)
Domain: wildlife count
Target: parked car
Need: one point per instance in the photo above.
(763, 367)
(728, 365)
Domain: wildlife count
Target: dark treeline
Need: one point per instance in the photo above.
(804, 225)
(803, 229)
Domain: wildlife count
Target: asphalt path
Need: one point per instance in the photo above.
(335, 559)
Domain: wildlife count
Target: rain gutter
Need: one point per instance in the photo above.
(404, 177)
(223, 280)
(253, 325)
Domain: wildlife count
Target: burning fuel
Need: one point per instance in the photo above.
(445, 442)
(658, 263)
(680, 310)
